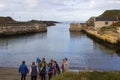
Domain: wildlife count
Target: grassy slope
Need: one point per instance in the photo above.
(88, 76)
(111, 13)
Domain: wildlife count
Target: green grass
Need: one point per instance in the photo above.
(117, 24)
(110, 28)
(88, 76)
(111, 13)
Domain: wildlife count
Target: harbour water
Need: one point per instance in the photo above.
(58, 43)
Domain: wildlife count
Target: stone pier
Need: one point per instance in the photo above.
(75, 27)
(20, 28)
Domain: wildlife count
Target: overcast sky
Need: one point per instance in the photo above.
(60, 10)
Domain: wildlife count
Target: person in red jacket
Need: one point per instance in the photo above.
(50, 70)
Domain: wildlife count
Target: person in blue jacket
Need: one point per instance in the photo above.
(38, 63)
(23, 70)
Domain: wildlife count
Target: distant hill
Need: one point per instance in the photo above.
(111, 13)
(9, 20)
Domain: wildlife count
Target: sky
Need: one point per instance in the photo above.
(57, 10)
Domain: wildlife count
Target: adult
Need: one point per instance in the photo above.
(50, 70)
(33, 71)
(38, 60)
(54, 67)
(57, 67)
(23, 70)
(43, 61)
(66, 65)
(43, 71)
(38, 63)
(63, 65)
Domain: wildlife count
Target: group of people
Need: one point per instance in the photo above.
(43, 68)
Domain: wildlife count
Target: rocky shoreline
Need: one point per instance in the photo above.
(108, 38)
(8, 26)
(104, 29)
(106, 41)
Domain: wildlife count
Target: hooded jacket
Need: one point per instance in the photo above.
(23, 69)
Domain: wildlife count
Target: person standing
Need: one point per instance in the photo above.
(38, 63)
(57, 68)
(63, 65)
(23, 70)
(43, 72)
(33, 71)
(38, 60)
(50, 71)
(66, 65)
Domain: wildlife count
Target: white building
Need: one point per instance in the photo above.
(104, 21)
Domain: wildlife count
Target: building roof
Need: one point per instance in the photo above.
(105, 18)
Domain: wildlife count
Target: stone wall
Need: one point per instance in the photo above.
(75, 27)
(10, 29)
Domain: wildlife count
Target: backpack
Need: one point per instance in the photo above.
(43, 71)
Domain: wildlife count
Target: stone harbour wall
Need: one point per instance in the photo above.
(10, 29)
(75, 27)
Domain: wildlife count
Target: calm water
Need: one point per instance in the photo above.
(58, 43)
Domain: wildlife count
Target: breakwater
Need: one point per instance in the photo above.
(21, 27)
(75, 27)
(9, 26)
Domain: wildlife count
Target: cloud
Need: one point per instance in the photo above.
(2, 6)
(56, 9)
(92, 3)
(114, 1)
(70, 3)
(31, 3)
